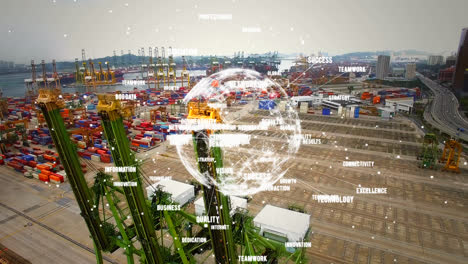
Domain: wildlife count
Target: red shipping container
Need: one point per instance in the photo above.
(32, 163)
(46, 172)
(43, 177)
(56, 177)
(105, 158)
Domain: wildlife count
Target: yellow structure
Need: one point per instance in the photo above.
(198, 110)
(451, 155)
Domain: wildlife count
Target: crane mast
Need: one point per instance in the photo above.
(111, 112)
(50, 104)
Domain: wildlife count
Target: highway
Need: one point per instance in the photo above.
(443, 112)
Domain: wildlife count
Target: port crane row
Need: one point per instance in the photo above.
(132, 223)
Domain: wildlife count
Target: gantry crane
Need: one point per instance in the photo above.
(185, 74)
(109, 76)
(89, 76)
(171, 70)
(79, 76)
(451, 155)
(31, 87)
(142, 61)
(160, 76)
(104, 77)
(165, 66)
(56, 76)
(151, 70)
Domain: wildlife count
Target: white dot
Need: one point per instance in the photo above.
(378, 172)
(445, 202)
(65, 35)
(352, 227)
(110, 11)
(372, 237)
(432, 177)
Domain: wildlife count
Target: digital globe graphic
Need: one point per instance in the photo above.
(232, 112)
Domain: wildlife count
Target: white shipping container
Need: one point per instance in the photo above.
(282, 222)
(35, 175)
(304, 107)
(136, 122)
(95, 158)
(64, 174)
(180, 192)
(236, 202)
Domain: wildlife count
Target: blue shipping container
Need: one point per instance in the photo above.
(356, 112)
(326, 111)
(266, 104)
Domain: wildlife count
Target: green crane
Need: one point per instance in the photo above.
(50, 104)
(429, 155)
(216, 203)
(111, 114)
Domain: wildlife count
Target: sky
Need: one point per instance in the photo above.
(59, 29)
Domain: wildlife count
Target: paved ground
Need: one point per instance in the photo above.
(422, 219)
(41, 222)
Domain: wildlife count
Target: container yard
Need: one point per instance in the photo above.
(264, 142)
(370, 229)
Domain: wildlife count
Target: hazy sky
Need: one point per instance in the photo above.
(47, 29)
